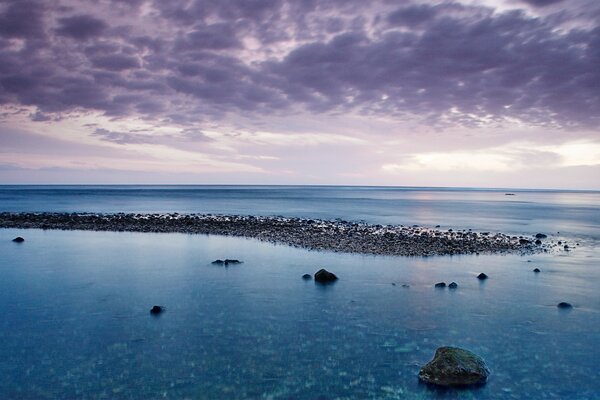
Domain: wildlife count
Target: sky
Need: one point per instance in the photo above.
(469, 93)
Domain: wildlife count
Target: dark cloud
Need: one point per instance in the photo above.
(190, 61)
(116, 62)
(22, 19)
(411, 16)
(541, 3)
(81, 27)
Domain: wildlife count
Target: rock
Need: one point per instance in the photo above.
(538, 242)
(566, 247)
(226, 262)
(306, 277)
(524, 241)
(405, 286)
(452, 366)
(536, 270)
(564, 305)
(437, 226)
(155, 310)
(540, 236)
(18, 239)
(482, 276)
(440, 285)
(453, 285)
(324, 276)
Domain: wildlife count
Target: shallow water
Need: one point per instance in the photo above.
(76, 320)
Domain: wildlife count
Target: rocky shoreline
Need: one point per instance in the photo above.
(338, 235)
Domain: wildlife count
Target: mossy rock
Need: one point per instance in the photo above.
(452, 366)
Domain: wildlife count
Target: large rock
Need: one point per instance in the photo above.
(452, 366)
(324, 276)
(18, 239)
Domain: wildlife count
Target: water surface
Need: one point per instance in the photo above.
(76, 322)
(527, 211)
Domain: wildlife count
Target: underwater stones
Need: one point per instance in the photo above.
(536, 270)
(324, 276)
(482, 276)
(156, 310)
(453, 366)
(540, 236)
(306, 277)
(440, 285)
(564, 305)
(453, 285)
(18, 239)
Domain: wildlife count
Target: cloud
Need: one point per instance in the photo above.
(80, 27)
(541, 3)
(446, 63)
(267, 74)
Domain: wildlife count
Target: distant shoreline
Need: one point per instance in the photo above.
(337, 236)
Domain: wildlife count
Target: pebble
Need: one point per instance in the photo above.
(337, 235)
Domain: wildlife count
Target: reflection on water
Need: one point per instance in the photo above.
(76, 320)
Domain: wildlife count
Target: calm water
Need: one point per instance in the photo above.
(75, 304)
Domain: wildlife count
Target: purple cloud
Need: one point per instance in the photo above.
(541, 3)
(185, 61)
(81, 27)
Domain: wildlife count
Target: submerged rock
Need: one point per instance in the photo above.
(18, 239)
(536, 270)
(440, 285)
(155, 310)
(564, 305)
(452, 366)
(324, 276)
(482, 276)
(218, 262)
(540, 236)
(306, 277)
(453, 285)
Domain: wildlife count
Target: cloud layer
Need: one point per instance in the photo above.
(445, 61)
(241, 66)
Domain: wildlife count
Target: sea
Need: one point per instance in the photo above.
(75, 304)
